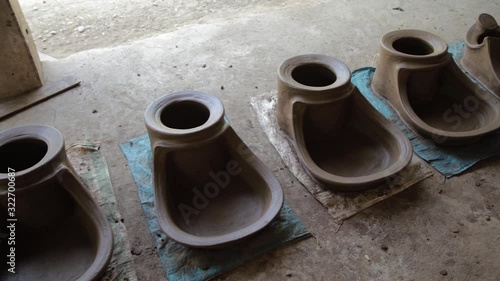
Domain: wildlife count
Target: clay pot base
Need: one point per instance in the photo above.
(362, 147)
(210, 189)
(437, 112)
(342, 141)
(429, 91)
(342, 157)
(61, 234)
(285, 229)
(340, 154)
(238, 203)
(57, 252)
(482, 55)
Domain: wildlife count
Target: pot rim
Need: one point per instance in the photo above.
(438, 45)
(210, 102)
(47, 134)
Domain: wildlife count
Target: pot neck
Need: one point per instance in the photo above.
(190, 136)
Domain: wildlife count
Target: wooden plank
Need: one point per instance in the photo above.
(11, 106)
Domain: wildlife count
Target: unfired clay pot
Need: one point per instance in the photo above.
(430, 92)
(210, 189)
(482, 55)
(60, 232)
(340, 138)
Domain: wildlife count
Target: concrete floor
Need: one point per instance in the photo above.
(433, 227)
(64, 27)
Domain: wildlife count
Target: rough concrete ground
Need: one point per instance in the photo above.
(63, 27)
(436, 230)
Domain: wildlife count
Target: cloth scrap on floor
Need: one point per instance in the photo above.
(184, 263)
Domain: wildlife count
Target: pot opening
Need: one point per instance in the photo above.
(412, 46)
(314, 75)
(489, 25)
(493, 34)
(21, 154)
(184, 115)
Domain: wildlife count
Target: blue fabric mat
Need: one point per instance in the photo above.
(450, 160)
(184, 263)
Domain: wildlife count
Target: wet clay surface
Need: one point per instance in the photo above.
(338, 150)
(430, 92)
(52, 240)
(61, 251)
(210, 189)
(495, 56)
(341, 139)
(415, 226)
(57, 231)
(451, 105)
(341, 154)
(238, 203)
(482, 55)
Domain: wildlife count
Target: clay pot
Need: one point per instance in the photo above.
(60, 232)
(431, 94)
(482, 55)
(341, 140)
(210, 189)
